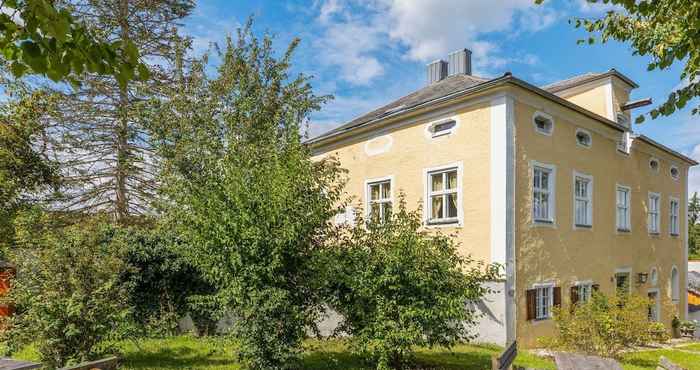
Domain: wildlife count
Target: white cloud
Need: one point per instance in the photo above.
(355, 31)
(597, 7)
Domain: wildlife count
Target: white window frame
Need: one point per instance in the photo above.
(674, 228)
(657, 303)
(548, 301)
(654, 276)
(430, 127)
(368, 201)
(588, 223)
(427, 202)
(675, 285)
(584, 295)
(654, 213)
(545, 116)
(678, 171)
(551, 209)
(590, 138)
(628, 218)
(658, 164)
(628, 272)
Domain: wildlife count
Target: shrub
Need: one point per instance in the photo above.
(605, 326)
(164, 283)
(68, 297)
(398, 287)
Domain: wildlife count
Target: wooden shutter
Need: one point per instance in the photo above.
(531, 303)
(557, 296)
(574, 295)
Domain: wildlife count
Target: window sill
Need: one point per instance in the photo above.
(675, 235)
(584, 227)
(655, 234)
(626, 231)
(441, 134)
(448, 222)
(543, 223)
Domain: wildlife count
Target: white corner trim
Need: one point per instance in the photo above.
(460, 198)
(609, 110)
(389, 178)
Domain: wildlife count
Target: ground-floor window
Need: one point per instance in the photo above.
(653, 309)
(622, 282)
(540, 300)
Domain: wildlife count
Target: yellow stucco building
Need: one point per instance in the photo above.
(551, 182)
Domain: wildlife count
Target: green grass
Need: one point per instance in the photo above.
(186, 352)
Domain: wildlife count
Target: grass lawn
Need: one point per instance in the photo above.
(185, 352)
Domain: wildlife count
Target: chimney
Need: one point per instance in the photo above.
(437, 71)
(460, 62)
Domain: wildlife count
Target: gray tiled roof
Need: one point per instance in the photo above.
(586, 77)
(433, 91)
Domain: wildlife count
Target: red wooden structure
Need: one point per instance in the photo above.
(7, 272)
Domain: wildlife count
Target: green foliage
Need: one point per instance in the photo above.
(244, 195)
(23, 169)
(605, 326)
(667, 31)
(164, 283)
(694, 227)
(41, 37)
(398, 287)
(68, 297)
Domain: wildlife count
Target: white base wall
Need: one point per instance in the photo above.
(491, 326)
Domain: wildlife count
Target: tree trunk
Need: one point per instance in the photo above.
(122, 132)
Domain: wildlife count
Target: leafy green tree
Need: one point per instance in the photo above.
(665, 30)
(43, 37)
(23, 169)
(68, 297)
(244, 195)
(398, 287)
(97, 132)
(694, 227)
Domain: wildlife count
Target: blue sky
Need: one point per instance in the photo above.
(369, 52)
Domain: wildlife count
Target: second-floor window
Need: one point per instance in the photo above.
(623, 208)
(443, 193)
(542, 194)
(379, 200)
(653, 213)
(583, 199)
(674, 228)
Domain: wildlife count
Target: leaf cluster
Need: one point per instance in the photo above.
(398, 286)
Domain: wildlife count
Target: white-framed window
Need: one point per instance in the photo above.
(674, 221)
(543, 122)
(675, 173)
(379, 199)
(346, 217)
(654, 276)
(444, 193)
(583, 200)
(654, 309)
(623, 280)
(623, 195)
(675, 285)
(654, 164)
(544, 301)
(653, 217)
(543, 193)
(441, 127)
(583, 138)
(583, 290)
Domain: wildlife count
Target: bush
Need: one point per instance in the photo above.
(164, 283)
(605, 326)
(398, 287)
(68, 297)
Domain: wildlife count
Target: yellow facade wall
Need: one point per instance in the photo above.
(412, 151)
(592, 99)
(562, 254)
